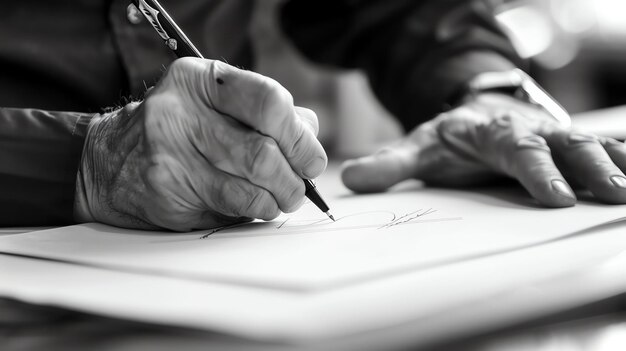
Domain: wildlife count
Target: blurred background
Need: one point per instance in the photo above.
(577, 50)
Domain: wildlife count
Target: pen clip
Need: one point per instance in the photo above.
(166, 28)
(152, 15)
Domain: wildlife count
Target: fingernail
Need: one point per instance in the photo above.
(562, 188)
(619, 181)
(314, 167)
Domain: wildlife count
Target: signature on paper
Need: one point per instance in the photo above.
(359, 220)
(408, 217)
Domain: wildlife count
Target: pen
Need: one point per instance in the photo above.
(177, 41)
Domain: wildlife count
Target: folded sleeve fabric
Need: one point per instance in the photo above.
(39, 156)
(416, 54)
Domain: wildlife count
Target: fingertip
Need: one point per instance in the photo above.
(611, 190)
(314, 167)
(354, 175)
(556, 194)
(378, 172)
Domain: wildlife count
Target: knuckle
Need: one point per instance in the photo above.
(297, 191)
(577, 138)
(533, 142)
(217, 69)
(276, 92)
(604, 164)
(213, 72)
(263, 158)
(260, 205)
(309, 119)
(276, 104)
(297, 146)
(612, 143)
(182, 64)
(252, 205)
(292, 195)
(306, 112)
(230, 198)
(537, 167)
(542, 169)
(303, 147)
(182, 78)
(503, 120)
(214, 69)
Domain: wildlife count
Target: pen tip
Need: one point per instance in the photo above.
(330, 216)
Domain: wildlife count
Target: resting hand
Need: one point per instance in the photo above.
(496, 135)
(210, 145)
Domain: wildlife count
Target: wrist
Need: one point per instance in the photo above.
(518, 86)
(96, 161)
(84, 193)
(496, 105)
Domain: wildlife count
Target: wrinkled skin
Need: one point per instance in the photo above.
(494, 135)
(210, 145)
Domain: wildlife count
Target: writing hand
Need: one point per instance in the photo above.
(498, 135)
(210, 145)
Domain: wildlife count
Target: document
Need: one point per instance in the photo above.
(285, 277)
(374, 236)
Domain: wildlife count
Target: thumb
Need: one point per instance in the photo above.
(381, 170)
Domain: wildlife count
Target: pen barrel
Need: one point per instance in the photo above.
(315, 197)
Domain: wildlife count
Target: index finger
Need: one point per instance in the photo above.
(264, 105)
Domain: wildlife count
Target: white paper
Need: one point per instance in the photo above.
(447, 258)
(374, 236)
(419, 307)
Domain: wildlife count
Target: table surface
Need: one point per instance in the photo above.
(601, 326)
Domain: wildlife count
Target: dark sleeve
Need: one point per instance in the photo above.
(416, 54)
(39, 156)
